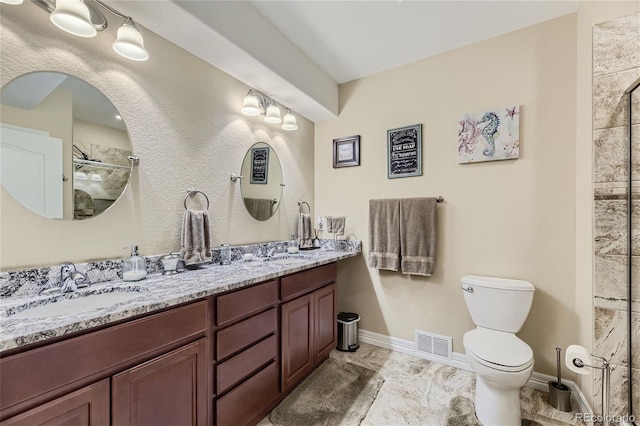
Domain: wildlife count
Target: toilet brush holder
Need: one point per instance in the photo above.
(559, 394)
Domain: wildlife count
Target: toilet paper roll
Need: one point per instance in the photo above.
(577, 352)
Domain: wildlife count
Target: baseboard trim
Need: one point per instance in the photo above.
(537, 381)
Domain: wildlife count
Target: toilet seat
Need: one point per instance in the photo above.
(498, 350)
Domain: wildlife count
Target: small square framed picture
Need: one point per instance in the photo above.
(346, 151)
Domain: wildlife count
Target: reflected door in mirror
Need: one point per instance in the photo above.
(92, 153)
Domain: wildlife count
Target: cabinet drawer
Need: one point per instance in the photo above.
(245, 363)
(243, 334)
(250, 399)
(47, 369)
(303, 282)
(240, 303)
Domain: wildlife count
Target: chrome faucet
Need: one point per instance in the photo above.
(70, 280)
(271, 248)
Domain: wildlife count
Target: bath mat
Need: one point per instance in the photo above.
(462, 413)
(334, 394)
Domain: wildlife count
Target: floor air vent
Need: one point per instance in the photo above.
(433, 346)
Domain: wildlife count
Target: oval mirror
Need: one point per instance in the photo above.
(65, 149)
(261, 186)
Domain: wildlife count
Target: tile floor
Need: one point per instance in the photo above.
(419, 392)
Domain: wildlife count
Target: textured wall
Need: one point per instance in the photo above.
(616, 64)
(183, 118)
(512, 218)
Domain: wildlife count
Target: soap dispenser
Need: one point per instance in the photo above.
(134, 268)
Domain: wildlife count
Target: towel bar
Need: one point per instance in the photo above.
(192, 192)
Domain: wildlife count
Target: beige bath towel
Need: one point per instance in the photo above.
(418, 235)
(384, 237)
(195, 239)
(305, 238)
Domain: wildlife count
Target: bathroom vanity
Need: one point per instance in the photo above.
(226, 357)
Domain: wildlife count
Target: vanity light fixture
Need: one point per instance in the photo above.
(255, 103)
(83, 18)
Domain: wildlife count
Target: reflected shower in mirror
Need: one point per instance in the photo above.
(261, 186)
(65, 148)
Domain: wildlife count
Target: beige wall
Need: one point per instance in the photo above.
(507, 219)
(183, 118)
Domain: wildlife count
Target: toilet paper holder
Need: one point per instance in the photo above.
(606, 376)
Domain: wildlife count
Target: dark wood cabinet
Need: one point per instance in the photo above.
(325, 326)
(88, 406)
(308, 333)
(169, 390)
(296, 340)
(163, 357)
(225, 360)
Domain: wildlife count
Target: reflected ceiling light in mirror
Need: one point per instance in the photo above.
(83, 18)
(80, 176)
(96, 177)
(11, 1)
(255, 103)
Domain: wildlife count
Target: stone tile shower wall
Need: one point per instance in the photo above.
(616, 64)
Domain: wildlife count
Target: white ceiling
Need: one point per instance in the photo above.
(299, 51)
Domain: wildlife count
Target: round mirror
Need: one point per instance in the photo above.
(65, 149)
(261, 186)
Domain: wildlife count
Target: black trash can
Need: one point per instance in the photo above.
(348, 331)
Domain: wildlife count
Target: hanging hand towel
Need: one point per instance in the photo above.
(418, 235)
(384, 237)
(195, 239)
(304, 231)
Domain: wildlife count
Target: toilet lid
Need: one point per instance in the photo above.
(498, 348)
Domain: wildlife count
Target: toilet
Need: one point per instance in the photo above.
(502, 362)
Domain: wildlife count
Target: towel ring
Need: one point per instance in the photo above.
(192, 192)
(302, 203)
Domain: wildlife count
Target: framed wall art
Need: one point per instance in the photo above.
(404, 151)
(346, 151)
(489, 135)
(259, 165)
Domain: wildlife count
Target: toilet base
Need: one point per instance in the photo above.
(497, 406)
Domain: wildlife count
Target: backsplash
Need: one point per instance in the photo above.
(27, 282)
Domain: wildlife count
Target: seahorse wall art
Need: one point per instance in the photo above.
(489, 135)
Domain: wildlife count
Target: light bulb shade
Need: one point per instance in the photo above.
(96, 177)
(273, 114)
(129, 43)
(80, 176)
(289, 122)
(11, 1)
(251, 105)
(73, 16)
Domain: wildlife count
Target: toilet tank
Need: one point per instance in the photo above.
(497, 303)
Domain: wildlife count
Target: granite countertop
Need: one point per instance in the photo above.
(155, 292)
